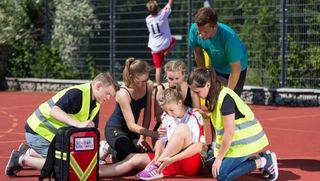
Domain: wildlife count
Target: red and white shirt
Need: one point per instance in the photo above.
(159, 30)
(193, 120)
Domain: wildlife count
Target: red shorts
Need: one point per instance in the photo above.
(187, 167)
(159, 56)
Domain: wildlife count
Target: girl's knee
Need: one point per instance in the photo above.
(182, 129)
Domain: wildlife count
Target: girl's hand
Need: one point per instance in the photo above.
(142, 144)
(203, 113)
(216, 167)
(163, 163)
(162, 131)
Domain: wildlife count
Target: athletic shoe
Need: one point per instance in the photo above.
(272, 166)
(13, 164)
(150, 173)
(103, 152)
(23, 148)
(264, 154)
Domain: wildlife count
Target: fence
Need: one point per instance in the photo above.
(283, 37)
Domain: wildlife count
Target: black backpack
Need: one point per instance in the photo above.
(71, 148)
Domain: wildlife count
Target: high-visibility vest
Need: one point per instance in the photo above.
(248, 137)
(207, 63)
(46, 126)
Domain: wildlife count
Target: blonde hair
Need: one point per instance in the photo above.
(152, 7)
(175, 66)
(134, 67)
(106, 80)
(169, 95)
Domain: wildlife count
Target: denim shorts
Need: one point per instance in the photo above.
(38, 143)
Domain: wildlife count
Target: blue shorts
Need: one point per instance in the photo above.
(38, 143)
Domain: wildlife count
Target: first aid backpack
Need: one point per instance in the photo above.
(73, 155)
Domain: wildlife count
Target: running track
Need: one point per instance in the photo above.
(294, 134)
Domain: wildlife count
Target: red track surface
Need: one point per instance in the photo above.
(294, 134)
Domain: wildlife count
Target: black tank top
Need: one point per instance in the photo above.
(188, 100)
(117, 120)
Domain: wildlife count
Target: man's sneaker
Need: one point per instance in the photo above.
(23, 148)
(272, 166)
(264, 154)
(103, 151)
(13, 164)
(150, 173)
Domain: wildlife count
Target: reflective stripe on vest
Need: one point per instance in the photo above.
(46, 126)
(83, 175)
(239, 126)
(245, 141)
(248, 137)
(42, 118)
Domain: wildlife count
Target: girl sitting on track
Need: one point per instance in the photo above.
(238, 133)
(175, 74)
(177, 152)
(122, 131)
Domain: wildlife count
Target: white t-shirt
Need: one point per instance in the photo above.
(159, 30)
(193, 120)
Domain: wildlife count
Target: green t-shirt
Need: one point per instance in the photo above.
(223, 48)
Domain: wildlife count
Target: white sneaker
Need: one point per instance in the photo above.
(103, 152)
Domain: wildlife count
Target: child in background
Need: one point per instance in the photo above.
(177, 152)
(160, 39)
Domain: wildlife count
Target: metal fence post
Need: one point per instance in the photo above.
(46, 29)
(112, 35)
(283, 43)
(46, 23)
(189, 59)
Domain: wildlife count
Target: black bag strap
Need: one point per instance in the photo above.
(48, 167)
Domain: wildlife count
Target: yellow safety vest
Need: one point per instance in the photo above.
(46, 126)
(248, 137)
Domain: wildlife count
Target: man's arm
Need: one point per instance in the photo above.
(235, 74)
(199, 57)
(58, 114)
(170, 2)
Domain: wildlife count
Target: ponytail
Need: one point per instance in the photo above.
(199, 77)
(134, 67)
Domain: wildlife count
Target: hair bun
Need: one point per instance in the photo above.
(176, 87)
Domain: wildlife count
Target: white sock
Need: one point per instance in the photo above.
(263, 162)
(106, 148)
(20, 160)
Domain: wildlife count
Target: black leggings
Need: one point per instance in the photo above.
(123, 143)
